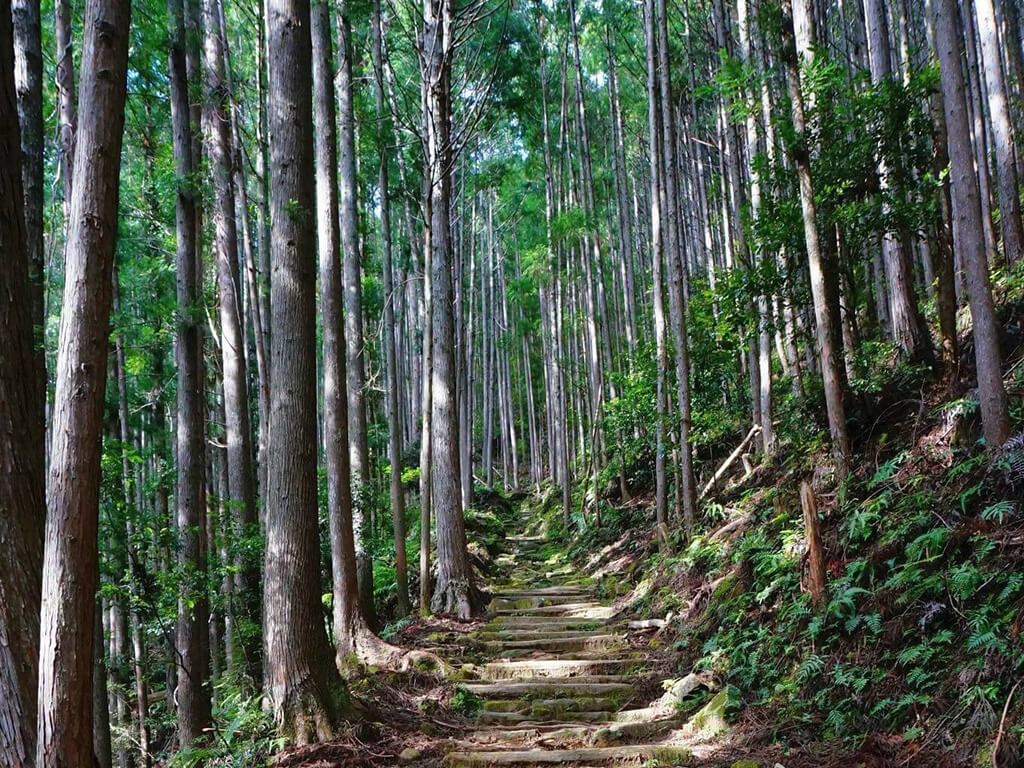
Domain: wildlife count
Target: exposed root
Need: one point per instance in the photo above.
(372, 651)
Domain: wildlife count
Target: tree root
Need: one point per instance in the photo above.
(374, 652)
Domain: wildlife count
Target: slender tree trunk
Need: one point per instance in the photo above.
(968, 235)
(190, 438)
(28, 80)
(426, 405)
(1007, 181)
(67, 103)
(70, 558)
(661, 405)
(100, 699)
(192, 699)
(131, 483)
(349, 622)
(305, 689)
(240, 492)
(821, 271)
(455, 591)
(908, 328)
(353, 285)
(394, 423)
(22, 466)
(677, 272)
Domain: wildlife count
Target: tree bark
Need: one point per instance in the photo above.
(306, 692)
(455, 591)
(908, 328)
(815, 552)
(394, 422)
(22, 484)
(674, 255)
(28, 81)
(240, 492)
(348, 616)
(353, 286)
(100, 700)
(657, 247)
(67, 104)
(193, 702)
(821, 271)
(968, 234)
(70, 558)
(1007, 185)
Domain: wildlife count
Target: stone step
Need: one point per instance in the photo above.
(535, 707)
(545, 591)
(562, 735)
(595, 686)
(521, 539)
(537, 622)
(587, 610)
(592, 756)
(515, 718)
(557, 668)
(523, 635)
(500, 603)
(549, 644)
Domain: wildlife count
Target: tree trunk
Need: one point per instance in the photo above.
(353, 286)
(1002, 131)
(305, 689)
(22, 484)
(70, 559)
(132, 547)
(240, 492)
(348, 617)
(67, 104)
(193, 708)
(455, 591)
(815, 551)
(657, 166)
(968, 234)
(394, 422)
(100, 700)
(908, 328)
(674, 255)
(821, 271)
(28, 80)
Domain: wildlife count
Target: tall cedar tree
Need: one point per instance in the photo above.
(70, 557)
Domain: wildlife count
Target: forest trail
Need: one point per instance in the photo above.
(562, 686)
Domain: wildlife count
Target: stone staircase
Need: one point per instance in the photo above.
(561, 686)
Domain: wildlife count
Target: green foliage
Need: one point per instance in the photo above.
(465, 702)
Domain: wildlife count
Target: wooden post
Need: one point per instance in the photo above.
(815, 555)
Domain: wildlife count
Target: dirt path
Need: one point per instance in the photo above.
(562, 686)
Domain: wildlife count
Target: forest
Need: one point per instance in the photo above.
(511, 382)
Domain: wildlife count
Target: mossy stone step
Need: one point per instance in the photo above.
(500, 602)
(592, 756)
(516, 718)
(544, 621)
(587, 610)
(523, 635)
(584, 642)
(544, 591)
(557, 668)
(535, 706)
(554, 688)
